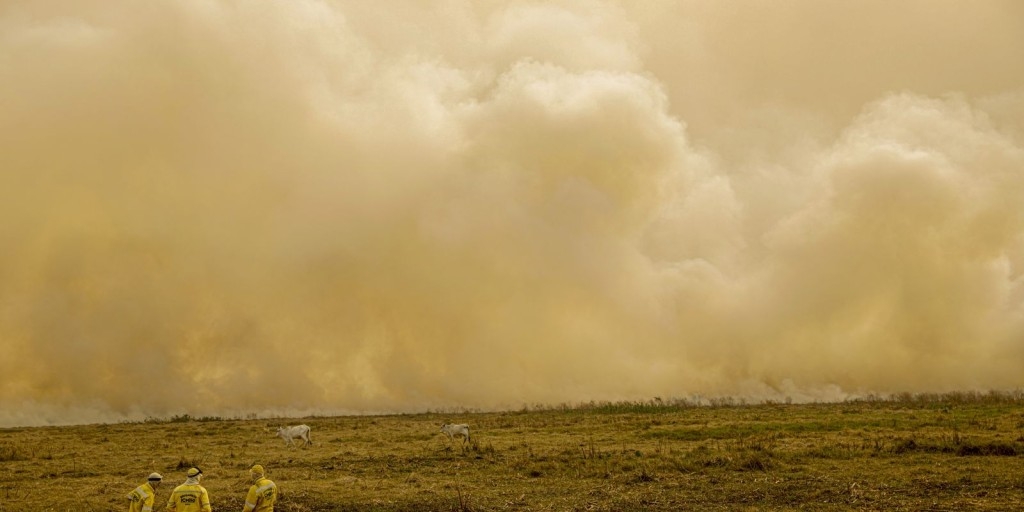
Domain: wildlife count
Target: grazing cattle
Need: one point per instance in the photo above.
(298, 431)
(453, 430)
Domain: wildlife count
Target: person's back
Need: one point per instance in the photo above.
(262, 494)
(190, 496)
(142, 497)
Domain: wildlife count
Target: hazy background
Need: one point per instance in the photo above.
(232, 207)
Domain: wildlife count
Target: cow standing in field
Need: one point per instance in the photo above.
(297, 431)
(452, 430)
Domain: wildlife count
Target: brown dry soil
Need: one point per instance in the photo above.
(913, 454)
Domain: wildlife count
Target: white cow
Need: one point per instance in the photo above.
(453, 430)
(298, 431)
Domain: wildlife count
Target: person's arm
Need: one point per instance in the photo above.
(251, 500)
(206, 501)
(147, 506)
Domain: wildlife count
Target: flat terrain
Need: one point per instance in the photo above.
(960, 452)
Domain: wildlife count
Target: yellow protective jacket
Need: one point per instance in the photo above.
(261, 497)
(141, 499)
(189, 498)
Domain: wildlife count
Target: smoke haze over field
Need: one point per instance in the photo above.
(224, 208)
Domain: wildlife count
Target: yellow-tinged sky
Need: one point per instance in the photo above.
(226, 207)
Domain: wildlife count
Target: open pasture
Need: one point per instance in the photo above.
(953, 452)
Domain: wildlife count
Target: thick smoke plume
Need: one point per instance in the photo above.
(229, 208)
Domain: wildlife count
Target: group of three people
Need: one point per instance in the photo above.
(192, 497)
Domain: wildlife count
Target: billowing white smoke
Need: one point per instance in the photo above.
(218, 208)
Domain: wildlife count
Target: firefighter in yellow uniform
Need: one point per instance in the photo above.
(263, 492)
(142, 498)
(190, 496)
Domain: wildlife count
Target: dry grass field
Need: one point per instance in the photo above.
(951, 452)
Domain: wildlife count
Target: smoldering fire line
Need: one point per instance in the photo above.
(212, 209)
